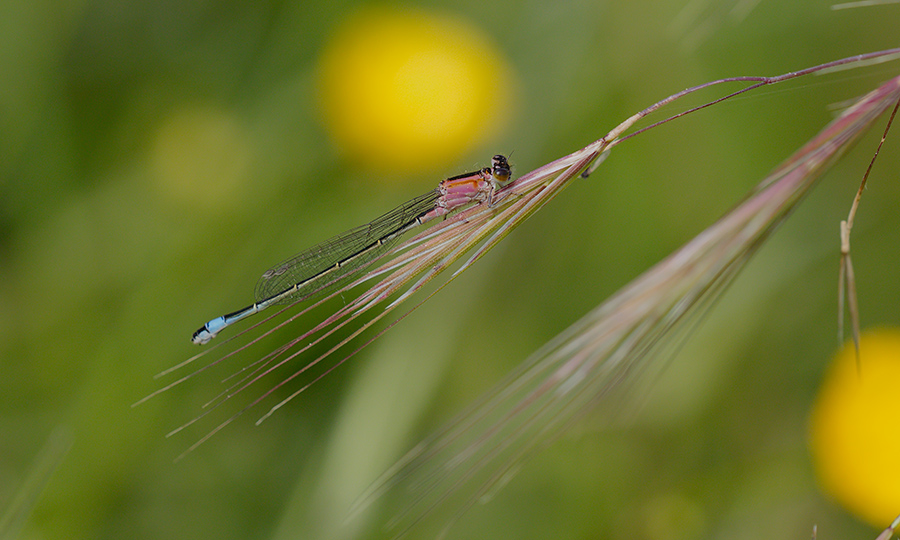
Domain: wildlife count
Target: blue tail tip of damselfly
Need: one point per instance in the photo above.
(208, 331)
(202, 336)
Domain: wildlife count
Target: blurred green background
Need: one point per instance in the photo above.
(110, 257)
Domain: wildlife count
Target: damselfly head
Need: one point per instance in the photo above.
(501, 170)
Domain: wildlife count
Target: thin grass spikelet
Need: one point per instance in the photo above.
(463, 234)
(475, 454)
(376, 288)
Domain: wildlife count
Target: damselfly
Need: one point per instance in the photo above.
(324, 266)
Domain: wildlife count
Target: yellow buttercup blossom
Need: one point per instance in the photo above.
(202, 149)
(855, 428)
(406, 90)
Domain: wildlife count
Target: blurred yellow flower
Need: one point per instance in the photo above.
(409, 90)
(201, 156)
(854, 427)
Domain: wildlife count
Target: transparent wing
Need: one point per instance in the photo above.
(326, 263)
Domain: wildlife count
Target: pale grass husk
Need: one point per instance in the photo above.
(480, 450)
